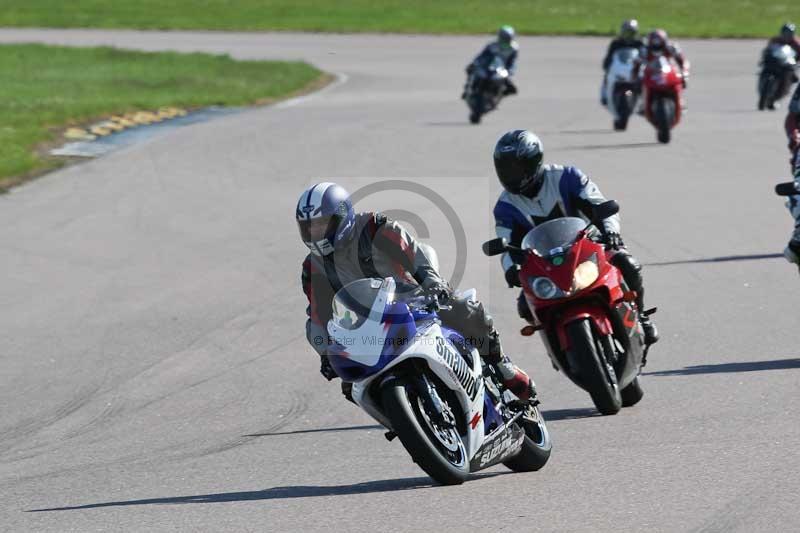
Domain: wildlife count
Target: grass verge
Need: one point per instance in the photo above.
(46, 88)
(697, 18)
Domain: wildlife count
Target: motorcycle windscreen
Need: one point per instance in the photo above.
(553, 237)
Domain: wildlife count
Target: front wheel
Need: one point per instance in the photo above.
(436, 448)
(663, 117)
(763, 91)
(536, 447)
(595, 371)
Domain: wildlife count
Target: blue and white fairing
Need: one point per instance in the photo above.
(372, 333)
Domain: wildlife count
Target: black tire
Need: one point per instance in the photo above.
(771, 92)
(632, 393)
(763, 87)
(401, 406)
(663, 119)
(536, 447)
(595, 371)
(623, 110)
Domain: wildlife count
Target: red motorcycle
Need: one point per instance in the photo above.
(663, 85)
(586, 313)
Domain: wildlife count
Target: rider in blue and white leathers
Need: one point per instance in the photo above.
(535, 193)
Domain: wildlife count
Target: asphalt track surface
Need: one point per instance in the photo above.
(155, 374)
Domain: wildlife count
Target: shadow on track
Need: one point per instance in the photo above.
(318, 430)
(279, 493)
(721, 368)
(596, 131)
(570, 414)
(620, 146)
(451, 123)
(723, 259)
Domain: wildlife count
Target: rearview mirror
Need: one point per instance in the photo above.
(495, 246)
(786, 189)
(605, 210)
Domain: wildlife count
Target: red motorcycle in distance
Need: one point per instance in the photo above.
(587, 315)
(663, 85)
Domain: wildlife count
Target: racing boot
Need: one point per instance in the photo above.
(514, 378)
(650, 330)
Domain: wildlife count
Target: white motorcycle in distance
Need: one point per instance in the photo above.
(428, 385)
(621, 86)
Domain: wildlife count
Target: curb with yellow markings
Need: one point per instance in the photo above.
(117, 123)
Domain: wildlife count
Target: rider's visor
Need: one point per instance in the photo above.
(316, 229)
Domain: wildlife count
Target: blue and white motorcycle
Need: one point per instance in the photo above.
(428, 385)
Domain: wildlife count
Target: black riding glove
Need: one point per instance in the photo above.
(441, 290)
(326, 369)
(613, 240)
(512, 276)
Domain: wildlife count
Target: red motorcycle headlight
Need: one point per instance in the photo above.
(585, 274)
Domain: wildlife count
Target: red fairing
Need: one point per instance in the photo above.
(662, 77)
(594, 301)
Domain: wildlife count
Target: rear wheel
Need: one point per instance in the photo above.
(437, 448)
(596, 372)
(632, 393)
(537, 445)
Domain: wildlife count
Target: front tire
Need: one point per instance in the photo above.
(536, 447)
(596, 372)
(403, 408)
(663, 119)
(763, 92)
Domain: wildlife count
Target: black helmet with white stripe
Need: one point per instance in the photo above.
(518, 159)
(325, 217)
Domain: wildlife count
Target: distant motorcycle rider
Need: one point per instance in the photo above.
(787, 36)
(506, 48)
(535, 193)
(628, 38)
(659, 44)
(346, 246)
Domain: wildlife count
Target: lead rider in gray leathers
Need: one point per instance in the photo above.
(346, 246)
(535, 193)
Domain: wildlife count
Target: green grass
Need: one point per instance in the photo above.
(700, 18)
(45, 88)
